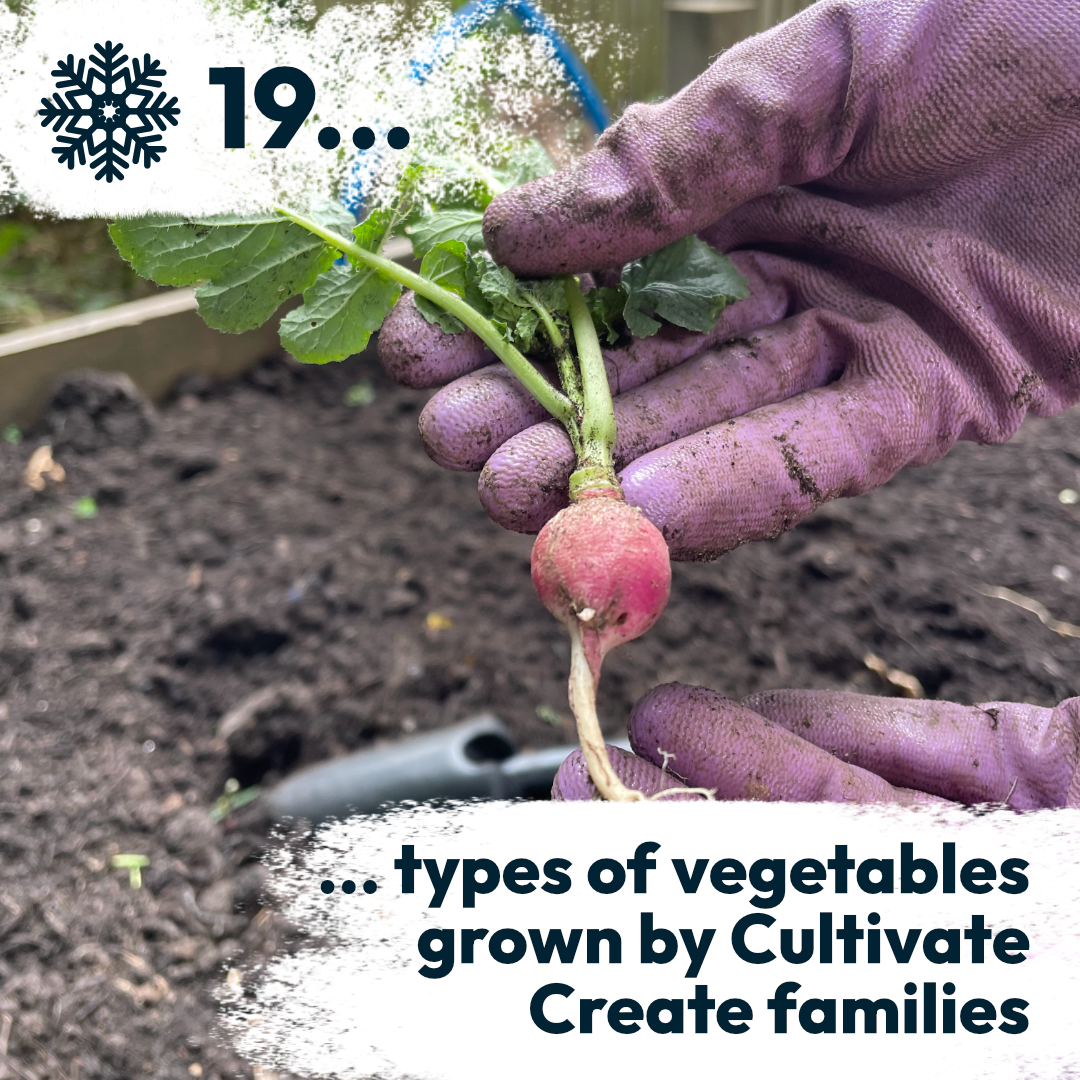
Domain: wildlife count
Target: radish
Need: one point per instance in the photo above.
(600, 567)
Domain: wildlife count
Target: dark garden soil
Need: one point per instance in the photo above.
(265, 536)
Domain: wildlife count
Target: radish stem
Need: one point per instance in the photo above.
(587, 400)
(556, 403)
(569, 376)
(595, 474)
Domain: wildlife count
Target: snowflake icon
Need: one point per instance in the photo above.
(108, 111)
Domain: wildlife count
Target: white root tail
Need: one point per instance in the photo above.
(583, 706)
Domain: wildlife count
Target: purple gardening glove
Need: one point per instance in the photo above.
(899, 181)
(832, 746)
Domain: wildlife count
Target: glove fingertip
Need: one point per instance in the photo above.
(524, 482)
(573, 783)
(535, 229)
(420, 355)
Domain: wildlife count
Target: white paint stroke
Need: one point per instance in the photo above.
(351, 1003)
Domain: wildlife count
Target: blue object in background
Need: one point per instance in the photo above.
(477, 13)
(466, 20)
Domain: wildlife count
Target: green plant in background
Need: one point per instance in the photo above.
(359, 394)
(550, 716)
(12, 434)
(232, 797)
(11, 234)
(85, 508)
(134, 865)
(50, 269)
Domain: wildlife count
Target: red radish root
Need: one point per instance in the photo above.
(602, 569)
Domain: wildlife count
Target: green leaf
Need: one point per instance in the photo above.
(525, 330)
(374, 230)
(528, 162)
(449, 324)
(469, 187)
(340, 312)
(479, 264)
(501, 288)
(638, 323)
(247, 296)
(381, 223)
(454, 223)
(607, 305)
(688, 283)
(249, 265)
(180, 251)
(549, 292)
(447, 265)
(462, 181)
(509, 295)
(515, 301)
(331, 215)
(466, 183)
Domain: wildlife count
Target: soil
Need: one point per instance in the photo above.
(266, 536)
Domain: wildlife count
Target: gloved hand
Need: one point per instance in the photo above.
(832, 746)
(897, 179)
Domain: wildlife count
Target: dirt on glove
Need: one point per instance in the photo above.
(272, 553)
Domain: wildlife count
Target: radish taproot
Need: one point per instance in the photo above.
(602, 569)
(599, 565)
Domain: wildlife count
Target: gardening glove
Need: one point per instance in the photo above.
(898, 182)
(833, 746)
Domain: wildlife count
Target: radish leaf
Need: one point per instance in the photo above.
(688, 283)
(454, 223)
(452, 265)
(446, 264)
(376, 228)
(248, 265)
(527, 324)
(606, 305)
(470, 187)
(528, 162)
(516, 301)
(346, 304)
(341, 311)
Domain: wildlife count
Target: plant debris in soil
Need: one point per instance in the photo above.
(270, 572)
